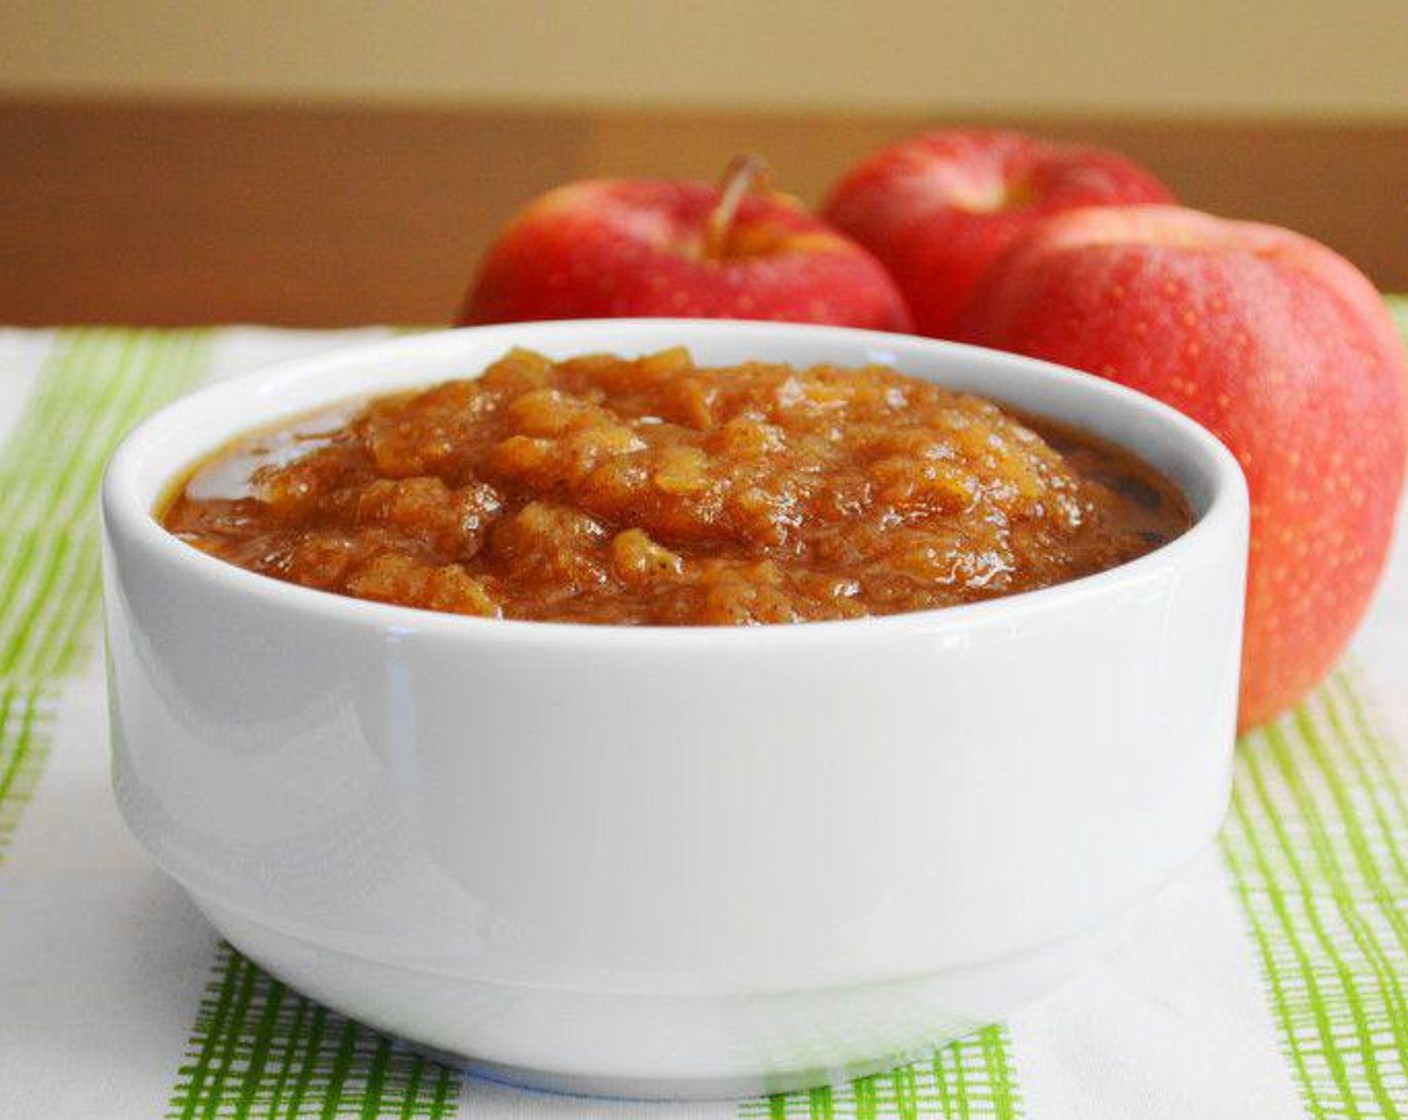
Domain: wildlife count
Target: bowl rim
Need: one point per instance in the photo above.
(122, 508)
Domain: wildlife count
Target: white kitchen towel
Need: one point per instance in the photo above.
(1270, 981)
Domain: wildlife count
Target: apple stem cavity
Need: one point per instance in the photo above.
(744, 175)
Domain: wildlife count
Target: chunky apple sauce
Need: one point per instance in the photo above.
(652, 491)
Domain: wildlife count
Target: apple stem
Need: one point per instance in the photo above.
(743, 175)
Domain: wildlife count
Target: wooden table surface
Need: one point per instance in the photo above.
(323, 216)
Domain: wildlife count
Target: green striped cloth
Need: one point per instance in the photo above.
(1271, 981)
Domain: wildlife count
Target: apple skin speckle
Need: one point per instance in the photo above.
(1274, 343)
(617, 248)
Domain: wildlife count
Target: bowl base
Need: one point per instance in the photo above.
(660, 1046)
(735, 1089)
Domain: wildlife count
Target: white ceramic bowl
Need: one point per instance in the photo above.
(671, 861)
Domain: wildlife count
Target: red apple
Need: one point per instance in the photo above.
(650, 247)
(936, 209)
(1277, 345)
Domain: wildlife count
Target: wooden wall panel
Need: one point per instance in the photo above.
(323, 216)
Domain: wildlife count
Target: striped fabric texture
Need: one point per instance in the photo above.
(1315, 848)
(968, 1078)
(95, 386)
(260, 1050)
(1317, 845)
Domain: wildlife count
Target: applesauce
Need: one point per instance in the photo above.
(652, 491)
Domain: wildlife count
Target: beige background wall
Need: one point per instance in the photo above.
(1293, 57)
